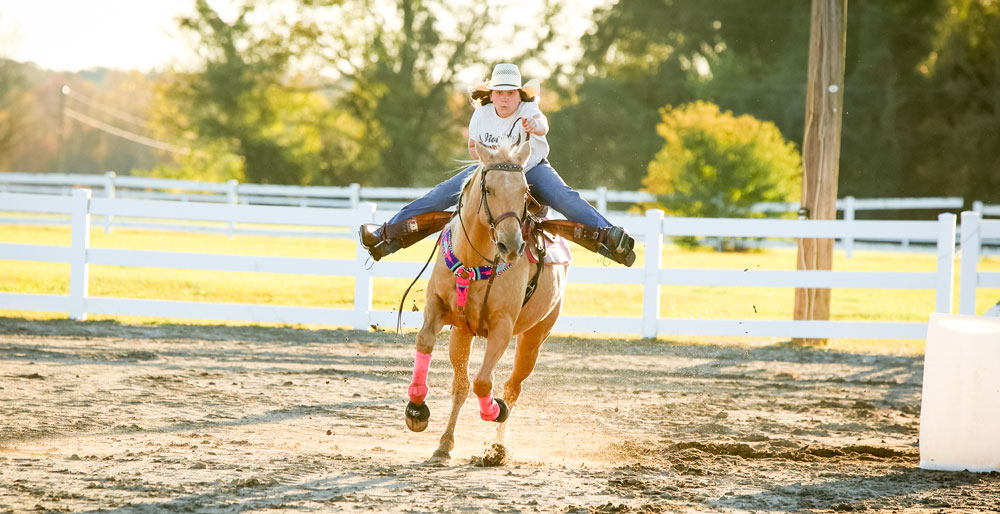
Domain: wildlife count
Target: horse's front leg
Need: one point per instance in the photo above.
(417, 413)
(458, 349)
(491, 409)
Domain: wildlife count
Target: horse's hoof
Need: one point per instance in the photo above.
(417, 416)
(440, 458)
(504, 411)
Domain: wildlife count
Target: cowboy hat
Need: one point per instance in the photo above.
(506, 77)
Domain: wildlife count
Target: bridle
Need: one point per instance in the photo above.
(485, 204)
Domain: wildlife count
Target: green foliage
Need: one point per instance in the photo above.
(401, 60)
(957, 139)
(248, 116)
(714, 164)
(14, 110)
(920, 108)
(213, 161)
(745, 56)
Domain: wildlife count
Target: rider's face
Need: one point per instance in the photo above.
(505, 102)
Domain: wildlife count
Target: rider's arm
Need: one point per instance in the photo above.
(472, 149)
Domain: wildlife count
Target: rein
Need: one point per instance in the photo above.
(402, 301)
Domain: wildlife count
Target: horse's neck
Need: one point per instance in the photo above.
(474, 236)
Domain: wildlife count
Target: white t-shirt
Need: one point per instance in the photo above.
(487, 128)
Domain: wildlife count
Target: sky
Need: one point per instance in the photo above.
(73, 35)
(70, 35)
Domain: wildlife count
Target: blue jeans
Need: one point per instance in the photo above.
(544, 183)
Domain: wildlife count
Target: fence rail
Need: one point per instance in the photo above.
(974, 231)
(390, 198)
(650, 228)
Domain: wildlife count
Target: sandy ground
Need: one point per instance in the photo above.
(113, 418)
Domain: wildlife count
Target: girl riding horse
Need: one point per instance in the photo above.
(478, 286)
(504, 108)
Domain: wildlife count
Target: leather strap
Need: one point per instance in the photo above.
(584, 235)
(411, 230)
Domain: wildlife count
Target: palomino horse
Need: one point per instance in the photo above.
(485, 240)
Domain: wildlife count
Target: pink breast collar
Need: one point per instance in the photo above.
(464, 274)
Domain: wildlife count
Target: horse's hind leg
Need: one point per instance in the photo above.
(458, 350)
(417, 413)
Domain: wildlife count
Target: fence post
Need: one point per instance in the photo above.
(977, 206)
(79, 270)
(849, 217)
(363, 276)
(946, 262)
(651, 284)
(355, 195)
(233, 199)
(602, 200)
(109, 193)
(969, 280)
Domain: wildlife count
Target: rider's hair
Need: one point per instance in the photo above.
(480, 98)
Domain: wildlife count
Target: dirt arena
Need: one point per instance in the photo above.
(107, 417)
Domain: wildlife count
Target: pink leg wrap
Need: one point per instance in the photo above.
(418, 386)
(488, 408)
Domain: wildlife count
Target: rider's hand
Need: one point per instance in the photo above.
(530, 126)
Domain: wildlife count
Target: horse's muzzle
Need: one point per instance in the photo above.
(510, 248)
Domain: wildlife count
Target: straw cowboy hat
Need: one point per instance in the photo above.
(506, 77)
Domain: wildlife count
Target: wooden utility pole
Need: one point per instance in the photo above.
(821, 147)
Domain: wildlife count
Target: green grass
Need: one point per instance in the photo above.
(581, 299)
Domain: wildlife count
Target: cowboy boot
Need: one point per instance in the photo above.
(611, 242)
(617, 245)
(402, 234)
(377, 244)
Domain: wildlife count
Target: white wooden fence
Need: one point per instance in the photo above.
(650, 228)
(974, 230)
(985, 209)
(388, 198)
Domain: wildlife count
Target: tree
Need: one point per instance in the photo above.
(644, 54)
(14, 110)
(247, 99)
(402, 60)
(955, 124)
(715, 164)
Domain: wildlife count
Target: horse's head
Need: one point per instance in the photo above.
(502, 190)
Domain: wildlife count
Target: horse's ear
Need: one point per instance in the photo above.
(483, 151)
(523, 153)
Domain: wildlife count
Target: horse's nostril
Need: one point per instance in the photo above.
(502, 248)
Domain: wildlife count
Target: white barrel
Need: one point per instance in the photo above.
(960, 408)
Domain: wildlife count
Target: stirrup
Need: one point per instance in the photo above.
(376, 245)
(618, 246)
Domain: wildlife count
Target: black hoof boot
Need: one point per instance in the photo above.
(504, 411)
(417, 416)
